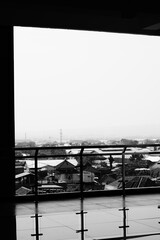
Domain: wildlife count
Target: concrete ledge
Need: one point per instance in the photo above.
(74, 195)
(129, 236)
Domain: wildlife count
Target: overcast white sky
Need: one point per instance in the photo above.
(89, 84)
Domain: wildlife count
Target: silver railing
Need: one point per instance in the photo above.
(107, 150)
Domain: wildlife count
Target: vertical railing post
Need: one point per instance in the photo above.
(82, 196)
(82, 230)
(123, 173)
(36, 195)
(124, 209)
(36, 216)
(36, 175)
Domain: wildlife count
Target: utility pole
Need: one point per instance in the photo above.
(60, 136)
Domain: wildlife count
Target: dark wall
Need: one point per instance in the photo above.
(7, 177)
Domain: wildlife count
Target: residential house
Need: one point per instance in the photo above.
(131, 182)
(21, 166)
(25, 179)
(65, 172)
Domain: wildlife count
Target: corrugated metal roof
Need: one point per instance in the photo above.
(23, 174)
(50, 186)
(46, 162)
(22, 191)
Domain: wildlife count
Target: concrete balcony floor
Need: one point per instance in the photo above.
(59, 220)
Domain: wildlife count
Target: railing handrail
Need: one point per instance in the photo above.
(139, 145)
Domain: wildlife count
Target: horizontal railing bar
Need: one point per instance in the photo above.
(86, 154)
(67, 155)
(46, 156)
(88, 146)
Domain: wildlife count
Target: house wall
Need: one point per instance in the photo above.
(65, 177)
(88, 177)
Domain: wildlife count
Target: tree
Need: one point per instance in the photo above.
(27, 144)
(58, 152)
(47, 152)
(129, 141)
(136, 159)
(111, 160)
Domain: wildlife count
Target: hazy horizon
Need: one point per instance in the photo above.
(67, 137)
(89, 84)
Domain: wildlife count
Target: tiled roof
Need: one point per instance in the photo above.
(65, 165)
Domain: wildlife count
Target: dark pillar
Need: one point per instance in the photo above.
(7, 176)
